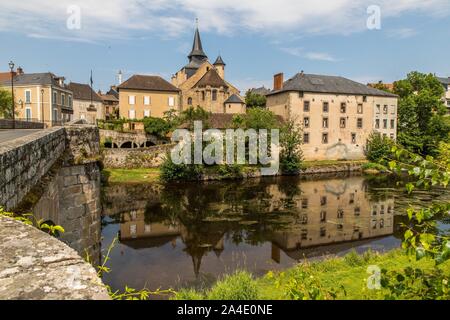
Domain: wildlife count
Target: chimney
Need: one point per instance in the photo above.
(119, 77)
(278, 81)
(19, 71)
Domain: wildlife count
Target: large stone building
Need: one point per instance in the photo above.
(87, 104)
(337, 114)
(203, 84)
(41, 97)
(147, 96)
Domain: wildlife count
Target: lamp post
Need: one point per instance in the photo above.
(42, 106)
(11, 67)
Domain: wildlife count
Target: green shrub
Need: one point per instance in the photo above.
(156, 126)
(374, 166)
(230, 171)
(378, 147)
(179, 172)
(188, 294)
(238, 286)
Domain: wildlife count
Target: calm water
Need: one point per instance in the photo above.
(189, 234)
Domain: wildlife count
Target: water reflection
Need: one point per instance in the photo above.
(191, 233)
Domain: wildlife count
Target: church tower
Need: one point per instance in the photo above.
(197, 56)
(220, 67)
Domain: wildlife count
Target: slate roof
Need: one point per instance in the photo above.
(109, 97)
(197, 48)
(234, 99)
(83, 92)
(211, 78)
(329, 84)
(46, 78)
(444, 80)
(261, 91)
(219, 61)
(149, 83)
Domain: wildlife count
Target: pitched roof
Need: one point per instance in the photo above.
(149, 83)
(328, 84)
(261, 91)
(5, 76)
(197, 48)
(109, 97)
(234, 99)
(211, 78)
(219, 61)
(83, 92)
(444, 80)
(45, 78)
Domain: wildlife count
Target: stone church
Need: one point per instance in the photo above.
(203, 84)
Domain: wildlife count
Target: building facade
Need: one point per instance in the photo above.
(446, 83)
(110, 103)
(87, 105)
(147, 96)
(337, 115)
(202, 83)
(41, 97)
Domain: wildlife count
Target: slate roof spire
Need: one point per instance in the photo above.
(197, 52)
(219, 61)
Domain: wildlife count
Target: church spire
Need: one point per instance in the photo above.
(197, 52)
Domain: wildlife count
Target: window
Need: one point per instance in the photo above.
(63, 99)
(28, 96)
(377, 123)
(364, 98)
(55, 100)
(306, 106)
(325, 138)
(214, 95)
(304, 203)
(146, 113)
(392, 123)
(392, 109)
(385, 109)
(357, 211)
(384, 123)
(132, 100)
(171, 101)
(28, 114)
(189, 101)
(323, 200)
(146, 100)
(326, 107)
(352, 198)
(203, 95)
(306, 122)
(392, 136)
(300, 94)
(132, 114)
(340, 213)
(323, 232)
(359, 123)
(353, 138)
(378, 108)
(70, 100)
(360, 108)
(343, 107)
(325, 123)
(305, 138)
(342, 123)
(323, 216)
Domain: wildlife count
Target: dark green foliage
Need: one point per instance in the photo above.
(179, 172)
(156, 126)
(256, 119)
(254, 100)
(192, 114)
(291, 139)
(5, 103)
(230, 171)
(378, 147)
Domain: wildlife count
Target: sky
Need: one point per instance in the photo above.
(365, 40)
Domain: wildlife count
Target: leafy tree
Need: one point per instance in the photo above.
(421, 113)
(5, 103)
(192, 114)
(254, 100)
(291, 139)
(156, 126)
(378, 147)
(256, 119)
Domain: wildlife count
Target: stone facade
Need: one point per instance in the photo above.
(37, 266)
(116, 139)
(151, 157)
(8, 124)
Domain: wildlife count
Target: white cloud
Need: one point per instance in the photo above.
(170, 18)
(402, 33)
(317, 56)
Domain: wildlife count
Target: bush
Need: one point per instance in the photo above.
(238, 286)
(374, 166)
(230, 171)
(378, 147)
(156, 126)
(291, 156)
(188, 294)
(179, 172)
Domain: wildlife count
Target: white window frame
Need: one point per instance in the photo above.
(130, 113)
(26, 113)
(131, 100)
(146, 113)
(63, 99)
(28, 91)
(171, 102)
(55, 97)
(147, 100)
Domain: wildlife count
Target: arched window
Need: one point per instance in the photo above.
(189, 101)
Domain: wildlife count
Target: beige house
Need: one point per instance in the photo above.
(202, 83)
(147, 96)
(41, 97)
(87, 105)
(110, 103)
(446, 83)
(337, 114)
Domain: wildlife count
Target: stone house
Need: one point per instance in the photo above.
(87, 104)
(446, 83)
(337, 114)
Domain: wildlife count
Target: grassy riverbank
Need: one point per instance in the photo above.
(333, 278)
(150, 175)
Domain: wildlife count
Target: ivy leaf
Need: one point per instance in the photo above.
(409, 188)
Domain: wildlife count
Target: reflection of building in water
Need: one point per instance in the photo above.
(330, 212)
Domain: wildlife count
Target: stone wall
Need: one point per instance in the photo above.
(151, 157)
(139, 140)
(8, 124)
(36, 266)
(25, 161)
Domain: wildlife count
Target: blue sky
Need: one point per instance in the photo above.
(255, 38)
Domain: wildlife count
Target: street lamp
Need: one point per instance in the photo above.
(11, 67)
(42, 105)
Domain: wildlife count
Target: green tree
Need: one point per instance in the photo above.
(156, 126)
(5, 103)
(291, 139)
(192, 114)
(378, 147)
(254, 100)
(421, 113)
(256, 118)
